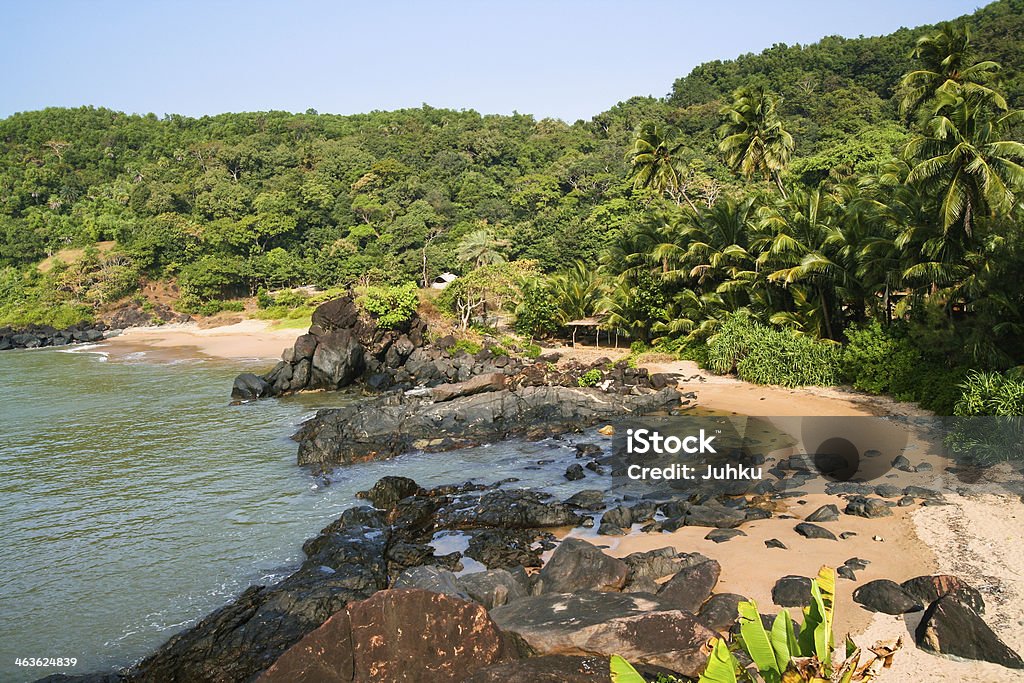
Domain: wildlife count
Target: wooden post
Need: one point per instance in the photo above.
(598, 342)
(574, 336)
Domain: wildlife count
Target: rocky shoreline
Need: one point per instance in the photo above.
(378, 599)
(40, 336)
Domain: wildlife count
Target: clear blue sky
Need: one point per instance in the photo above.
(548, 58)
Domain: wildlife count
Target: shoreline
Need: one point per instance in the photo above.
(250, 339)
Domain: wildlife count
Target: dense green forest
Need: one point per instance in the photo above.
(809, 214)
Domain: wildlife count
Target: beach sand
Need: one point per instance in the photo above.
(245, 340)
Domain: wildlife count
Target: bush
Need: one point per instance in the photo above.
(391, 306)
(886, 360)
(991, 393)
(467, 345)
(537, 313)
(765, 355)
(590, 378)
(879, 361)
(992, 407)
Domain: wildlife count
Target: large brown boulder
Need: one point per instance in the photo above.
(949, 627)
(396, 635)
(492, 381)
(691, 586)
(577, 565)
(635, 626)
(549, 669)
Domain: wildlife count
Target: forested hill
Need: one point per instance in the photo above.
(232, 203)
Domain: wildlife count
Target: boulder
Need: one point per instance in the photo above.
(928, 589)
(826, 513)
(493, 381)
(720, 612)
(949, 627)
(808, 530)
(389, 490)
(634, 626)
(883, 595)
(863, 506)
(792, 591)
(433, 579)
(548, 669)
(396, 635)
(496, 587)
(577, 565)
(691, 586)
(392, 425)
(337, 361)
(652, 564)
(723, 535)
(248, 387)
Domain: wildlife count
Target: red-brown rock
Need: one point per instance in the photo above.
(396, 635)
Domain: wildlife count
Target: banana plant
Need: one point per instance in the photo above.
(784, 655)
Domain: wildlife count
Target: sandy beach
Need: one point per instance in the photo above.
(245, 340)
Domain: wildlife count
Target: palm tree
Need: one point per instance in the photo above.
(753, 139)
(578, 291)
(965, 157)
(656, 164)
(945, 66)
(480, 248)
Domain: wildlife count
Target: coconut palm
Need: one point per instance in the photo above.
(946, 66)
(656, 163)
(480, 248)
(967, 159)
(753, 139)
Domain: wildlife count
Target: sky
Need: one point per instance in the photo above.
(563, 59)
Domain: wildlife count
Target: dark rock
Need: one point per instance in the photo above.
(248, 387)
(574, 472)
(652, 564)
(714, 516)
(496, 587)
(928, 589)
(590, 499)
(792, 591)
(389, 426)
(337, 361)
(888, 491)
(618, 516)
(857, 563)
(846, 572)
(720, 612)
(577, 565)
(814, 531)
(949, 627)
(775, 543)
(396, 635)
(389, 490)
(433, 579)
(493, 381)
(634, 626)
(826, 513)
(723, 535)
(691, 586)
(901, 463)
(883, 595)
(504, 548)
(867, 507)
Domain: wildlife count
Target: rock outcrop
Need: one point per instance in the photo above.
(397, 635)
(394, 424)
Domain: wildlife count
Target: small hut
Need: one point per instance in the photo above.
(443, 280)
(587, 323)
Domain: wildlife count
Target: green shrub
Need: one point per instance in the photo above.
(537, 312)
(531, 351)
(878, 360)
(991, 426)
(467, 345)
(731, 343)
(391, 306)
(991, 393)
(765, 355)
(590, 378)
